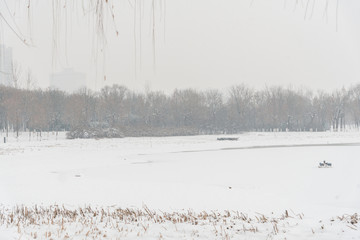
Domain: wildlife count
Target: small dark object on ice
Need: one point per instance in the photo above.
(227, 139)
(325, 164)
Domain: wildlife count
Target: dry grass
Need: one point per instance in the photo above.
(350, 220)
(54, 222)
(59, 222)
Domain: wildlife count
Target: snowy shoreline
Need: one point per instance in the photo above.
(265, 173)
(59, 222)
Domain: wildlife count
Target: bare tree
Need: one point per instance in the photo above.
(112, 100)
(16, 74)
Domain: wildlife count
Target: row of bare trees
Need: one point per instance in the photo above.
(183, 112)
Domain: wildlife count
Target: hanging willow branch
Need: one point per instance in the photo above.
(99, 10)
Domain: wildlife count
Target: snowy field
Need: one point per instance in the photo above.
(263, 186)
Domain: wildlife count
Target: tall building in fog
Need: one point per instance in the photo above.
(68, 80)
(6, 60)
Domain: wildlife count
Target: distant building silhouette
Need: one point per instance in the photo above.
(68, 80)
(6, 61)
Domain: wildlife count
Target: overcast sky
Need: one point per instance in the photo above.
(199, 44)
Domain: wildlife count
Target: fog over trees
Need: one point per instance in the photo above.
(184, 112)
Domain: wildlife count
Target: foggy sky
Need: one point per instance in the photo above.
(199, 44)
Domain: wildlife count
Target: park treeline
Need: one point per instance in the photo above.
(183, 112)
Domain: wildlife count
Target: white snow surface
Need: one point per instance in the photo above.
(261, 173)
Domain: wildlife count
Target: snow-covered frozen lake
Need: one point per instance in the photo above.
(261, 172)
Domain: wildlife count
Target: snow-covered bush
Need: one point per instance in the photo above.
(92, 132)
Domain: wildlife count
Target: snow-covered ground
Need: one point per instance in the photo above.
(261, 173)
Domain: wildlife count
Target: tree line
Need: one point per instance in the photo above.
(183, 112)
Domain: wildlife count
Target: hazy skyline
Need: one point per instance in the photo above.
(201, 44)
